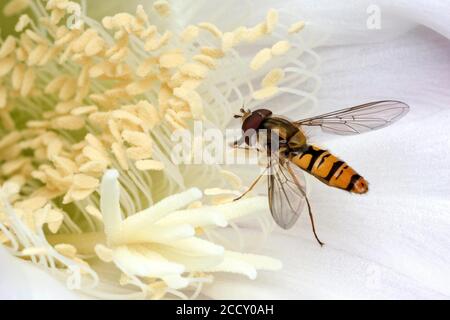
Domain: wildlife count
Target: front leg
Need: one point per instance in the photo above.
(252, 185)
(238, 145)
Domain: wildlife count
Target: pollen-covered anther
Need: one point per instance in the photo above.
(271, 20)
(127, 116)
(194, 70)
(8, 46)
(68, 89)
(24, 21)
(229, 40)
(212, 52)
(139, 153)
(37, 54)
(211, 28)
(280, 48)
(14, 7)
(206, 60)
(176, 125)
(193, 99)
(68, 122)
(171, 59)
(3, 97)
(261, 58)
(137, 138)
(93, 211)
(83, 110)
(296, 27)
(149, 164)
(189, 33)
(114, 130)
(6, 65)
(55, 84)
(162, 8)
(17, 76)
(273, 78)
(147, 67)
(156, 42)
(140, 86)
(84, 181)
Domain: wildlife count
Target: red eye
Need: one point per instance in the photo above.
(254, 120)
(252, 123)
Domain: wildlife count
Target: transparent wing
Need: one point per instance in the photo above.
(286, 189)
(359, 119)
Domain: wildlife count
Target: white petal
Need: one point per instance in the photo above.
(22, 280)
(257, 261)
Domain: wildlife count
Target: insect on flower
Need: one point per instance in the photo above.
(286, 186)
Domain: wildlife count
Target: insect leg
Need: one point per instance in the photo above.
(252, 185)
(238, 143)
(312, 222)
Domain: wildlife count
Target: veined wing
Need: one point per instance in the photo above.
(286, 189)
(366, 117)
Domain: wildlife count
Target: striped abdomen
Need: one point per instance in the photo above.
(330, 170)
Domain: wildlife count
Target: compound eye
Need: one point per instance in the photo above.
(252, 122)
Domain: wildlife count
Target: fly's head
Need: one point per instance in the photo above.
(251, 121)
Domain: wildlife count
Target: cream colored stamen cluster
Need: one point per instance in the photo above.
(79, 98)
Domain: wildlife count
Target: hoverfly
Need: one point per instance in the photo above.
(286, 185)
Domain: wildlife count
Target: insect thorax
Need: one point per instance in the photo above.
(290, 136)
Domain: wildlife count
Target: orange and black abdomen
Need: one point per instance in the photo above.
(329, 169)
